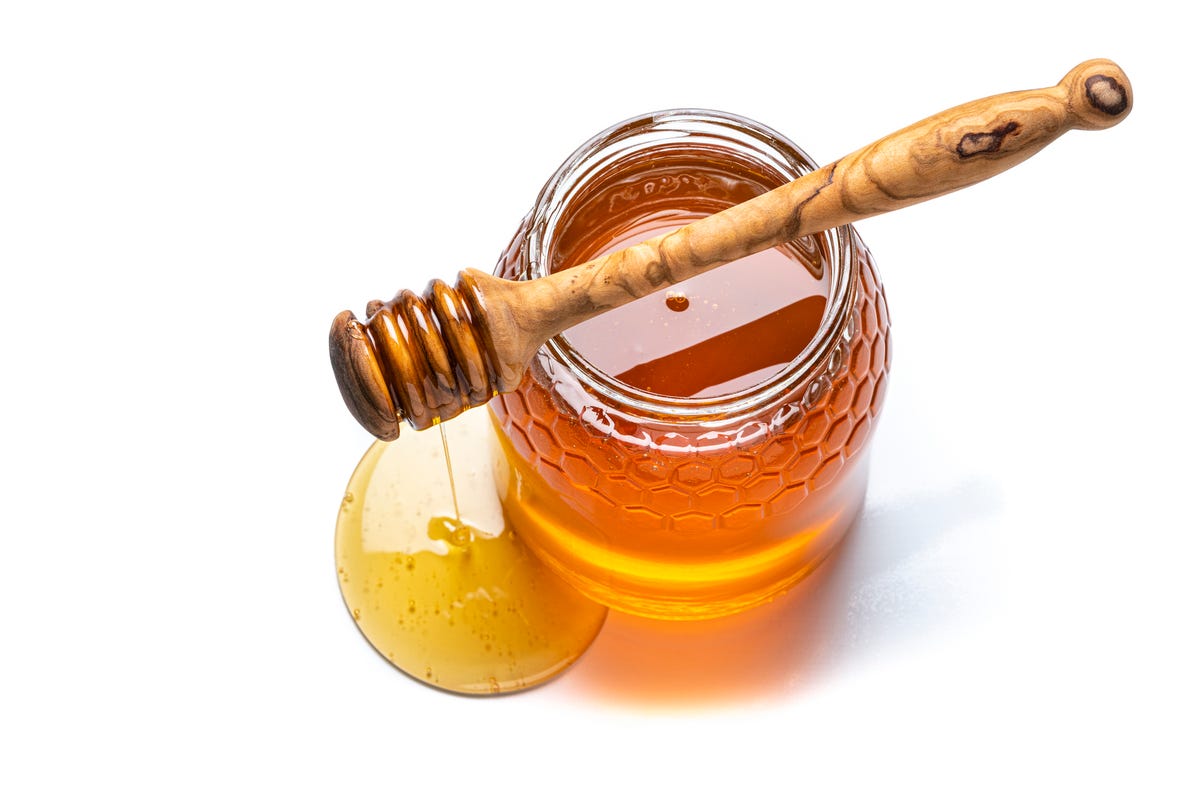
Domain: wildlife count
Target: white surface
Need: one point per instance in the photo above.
(189, 192)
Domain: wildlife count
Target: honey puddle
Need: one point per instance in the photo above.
(435, 578)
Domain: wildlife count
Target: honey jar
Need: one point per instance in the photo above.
(700, 450)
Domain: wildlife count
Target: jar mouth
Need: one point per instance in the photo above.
(720, 132)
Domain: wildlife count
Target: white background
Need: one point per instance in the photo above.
(190, 191)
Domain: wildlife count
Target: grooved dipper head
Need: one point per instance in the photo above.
(360, 379)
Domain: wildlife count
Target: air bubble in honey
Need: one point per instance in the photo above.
(453, 599)
(677, 301)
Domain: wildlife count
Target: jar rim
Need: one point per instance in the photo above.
(805, 375)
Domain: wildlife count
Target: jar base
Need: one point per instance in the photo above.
(584, 555)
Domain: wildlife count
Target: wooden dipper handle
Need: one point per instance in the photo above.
(427, 358)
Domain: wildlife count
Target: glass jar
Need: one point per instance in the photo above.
(689, 507)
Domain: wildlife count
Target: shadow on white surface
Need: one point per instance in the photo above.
(886, 586)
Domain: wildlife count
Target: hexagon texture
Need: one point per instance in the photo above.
(731, 487)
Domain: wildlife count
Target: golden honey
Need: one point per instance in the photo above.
(434, 577)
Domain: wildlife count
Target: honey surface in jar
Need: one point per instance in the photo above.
(702, 516)
(449, 595)
(716, 333)
(713, 334)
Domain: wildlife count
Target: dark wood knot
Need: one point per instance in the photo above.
(972, 144)
(1106, 95)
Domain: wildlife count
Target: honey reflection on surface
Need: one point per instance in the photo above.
(460, 604)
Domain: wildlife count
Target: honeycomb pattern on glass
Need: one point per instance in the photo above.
(674, 485)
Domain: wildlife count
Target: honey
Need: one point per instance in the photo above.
(445, 591)
(719, 332)
(688, 460)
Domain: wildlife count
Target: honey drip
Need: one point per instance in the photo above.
(446, 592)
(450, 472)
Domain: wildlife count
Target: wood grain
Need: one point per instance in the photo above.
(492, 327)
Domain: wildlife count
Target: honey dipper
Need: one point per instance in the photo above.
(426, 358)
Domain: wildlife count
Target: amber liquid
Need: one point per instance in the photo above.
(718, 333)
(689, 520)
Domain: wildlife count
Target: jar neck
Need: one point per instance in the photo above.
(742, 146)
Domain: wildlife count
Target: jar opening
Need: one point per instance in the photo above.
(725, 356)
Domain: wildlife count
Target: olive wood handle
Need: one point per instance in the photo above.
(948, 151)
